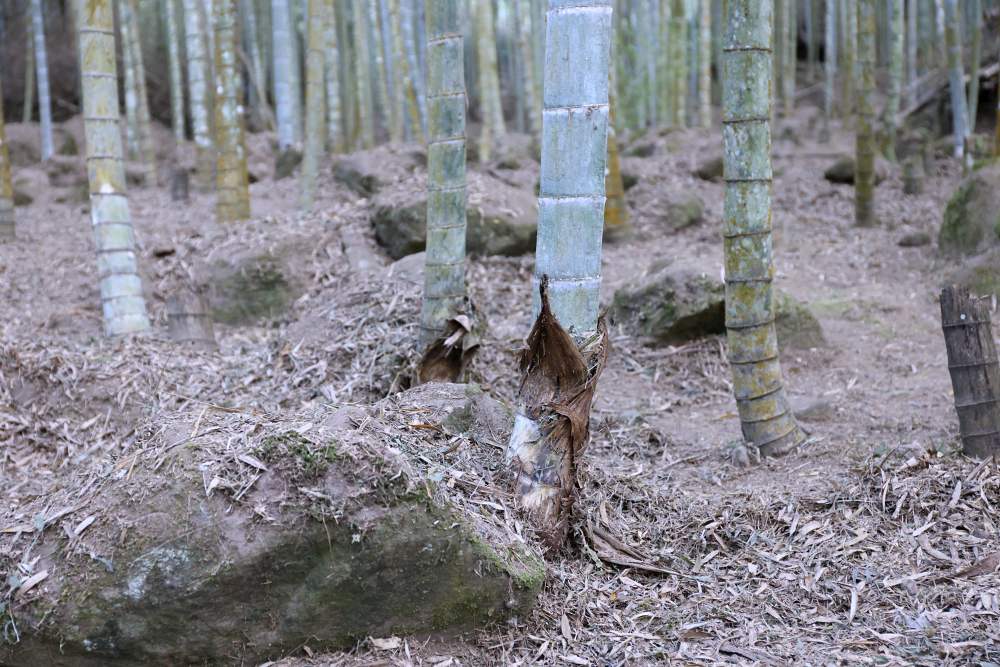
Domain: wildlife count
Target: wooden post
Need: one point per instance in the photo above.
(975, 372)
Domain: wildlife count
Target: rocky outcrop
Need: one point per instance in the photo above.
(226, 551)
(674, 304)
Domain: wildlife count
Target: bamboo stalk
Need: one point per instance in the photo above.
(232, 187)
(765, 413)
(122, 300)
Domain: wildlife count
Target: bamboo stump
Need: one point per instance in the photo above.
(188, 320)
(975, 371)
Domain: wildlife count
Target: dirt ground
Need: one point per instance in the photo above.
(856, 549)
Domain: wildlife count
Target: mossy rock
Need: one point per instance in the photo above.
(358, 174)
(629, 180)
(22, 198)
(677, 304)
(981, 274)
(684, 213)
(68, 145)
(499, 226)
(842, 171)
(180, 576)
(286, 163)
(971, 221)
(252, 290)
(711, 169)
(796, 325)
(642, 149)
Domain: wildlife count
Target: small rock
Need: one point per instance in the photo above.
(286, 163)
(643, 149)
(679, 215)
(409, 269)
(629, 180)
(914, 240)
(813, 410)
(357, 175)
(711, 169)
(68, 145)
(22, 198)
(842, 171)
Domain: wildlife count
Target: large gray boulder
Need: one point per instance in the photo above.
(971, 221)
(675, 303)
(501, 220)
(217, 552)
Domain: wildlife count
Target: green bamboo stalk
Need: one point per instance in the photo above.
(532, 91)
(232, 187)
(29, 80)
(976, 8)
(7, 218)
(893, 101)
(616, 222)
(383, 91)
(407, 90)
(829, 65)
(790, 42)
(764, 410)
(665, 70)
(705, 64)
(362, 69)
(864, 178)
(42, 74)
(559, 370)
(444, 266)
(315, 94)
(287, 95)
(198, 82)
(176, 77)
(911, 50)
(678, 64)
(574, 158)
(849, 51)
(956, 80)
(129, 87)
(257, 72)
(144, 124)
(334, 125)
(489, 81)
(123, 304)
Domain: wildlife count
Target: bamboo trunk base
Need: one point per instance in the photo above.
(552, 425)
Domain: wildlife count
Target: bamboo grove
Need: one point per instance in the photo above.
(335, 76)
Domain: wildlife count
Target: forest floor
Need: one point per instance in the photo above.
(854, 549)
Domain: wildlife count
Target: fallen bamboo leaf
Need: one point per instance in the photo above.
(387, 643)
(32, 581)
(252, 461)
